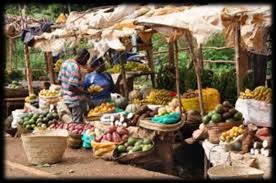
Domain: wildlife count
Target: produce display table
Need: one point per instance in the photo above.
(216, 155)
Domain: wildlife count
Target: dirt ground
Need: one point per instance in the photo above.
(76, 164)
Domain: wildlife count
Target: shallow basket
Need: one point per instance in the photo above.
(22, 130)
(215, 131)
(224, 172)
(45, 146)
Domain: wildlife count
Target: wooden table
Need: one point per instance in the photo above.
(11, 104)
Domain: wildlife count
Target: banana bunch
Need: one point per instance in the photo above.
(260, 93)
(58, 65)
(49, 93)
(30, 98)
(94, 89)
(159, 97)
(130, 66)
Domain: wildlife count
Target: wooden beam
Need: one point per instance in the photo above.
(151, 65)
(28, 69)
(177, 76)
(50, 67)
(123, 73)
(197, 70)
(10, 41)
(171, 53)
(237, 38)
(220, 61)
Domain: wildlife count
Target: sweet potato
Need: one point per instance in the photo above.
(108, 136)
(124, 137)
(263, 132)
(111, 129)
(116, 137)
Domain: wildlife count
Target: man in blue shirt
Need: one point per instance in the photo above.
(97, 76)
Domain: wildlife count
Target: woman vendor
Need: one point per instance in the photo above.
(97, 77)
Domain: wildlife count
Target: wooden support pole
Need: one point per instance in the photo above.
(50, 67)
(237, 53)
(197, 71)
(123, 73)
(171, 53)
(15, 55)
(151, 65)
(10, 56)
(28, 69)
(177, 76)
(200, 57)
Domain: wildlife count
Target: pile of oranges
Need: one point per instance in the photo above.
(232, 134)
(103, 108)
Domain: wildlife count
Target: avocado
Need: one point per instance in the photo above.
(32, 125)
(238, 116)
(219, 109)
(131, 141)
(206, 119)
(146, 141)
(121, 148)
(210, 114)
(226, 115)
(137, 148)
(227, 104)
(230, 120)
(138, 143)
(216, 118)
(225, 109)
(31, 121)
(131, 151)
(147, 147)
(45, 119)
(129, 148)
(28, 126)
(233, 111)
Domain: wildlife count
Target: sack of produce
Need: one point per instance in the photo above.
(170, 118)
(256, 112)
(211, 98)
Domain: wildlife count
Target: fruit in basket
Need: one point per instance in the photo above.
(206, 119)
(232, 134)
(131, 141)
(226, 115)
(121, 148)
(94, 89)
(216, 118)
(135, 145)
(238, 116)
(219, 109)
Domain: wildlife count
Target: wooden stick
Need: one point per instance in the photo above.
(28, 69)
(171, 53)
(177, 78)
(10, 56)
(237, 53)
(197, 71)
(123, 73)
(50, 67)
(220, 61)
(151, 65)
(200, 57)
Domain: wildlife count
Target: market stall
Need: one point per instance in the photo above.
(144, 123)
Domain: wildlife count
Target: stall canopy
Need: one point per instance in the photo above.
(104, 27)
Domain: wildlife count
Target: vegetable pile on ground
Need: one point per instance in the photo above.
(173, 106)
(114, 134)
(190, 94)
(33, 120)
(135, 145)
(103, 108)
(261, 93)
(14, 85)
(223, 113)
(74, 128)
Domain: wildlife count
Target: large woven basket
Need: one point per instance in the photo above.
(22, 130)
(45, 147)
(214, 131)
(224, 172)
(148, 124)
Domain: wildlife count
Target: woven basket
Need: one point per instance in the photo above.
(148, 124)
(132, 158)
(74, 141)
(45, 147)
(214, 131)
(224, 172)
(22, 130)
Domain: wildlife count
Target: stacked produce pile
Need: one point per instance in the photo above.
(74, 128)
(130, 67)
(117, 119)
(223, 113)
(31, 98)
(133, 145)
(261, 93)
(14, 85)
(113, 134)
(103, 108)
(49, 93)
(33, 120)
(157, 97)
(262, 144)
